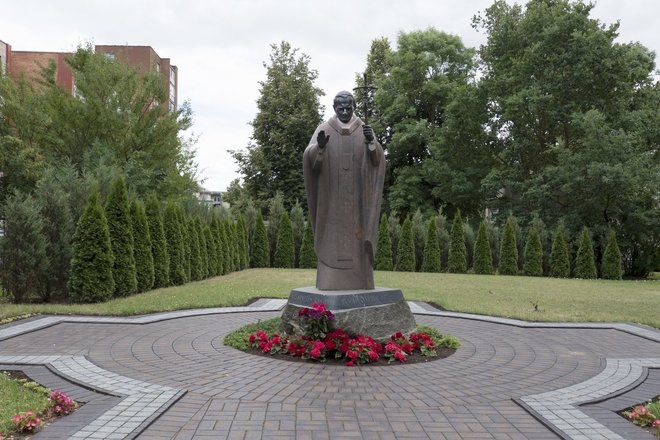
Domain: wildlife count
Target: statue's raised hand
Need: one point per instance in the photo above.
(322, 139)
(368, 133)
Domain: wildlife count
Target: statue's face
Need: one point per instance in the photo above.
(344, 109)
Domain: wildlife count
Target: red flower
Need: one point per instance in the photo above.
(373, 356)
(350, 364)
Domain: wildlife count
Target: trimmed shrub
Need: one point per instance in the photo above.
(560, 266)
(533, 258)
(483, 259)
(384, 246)
(406, 252)
(395, 233)
(241, 231)
(144, 260)
(307, 254)
(217, 240)
(203, 249)
(284, 253)
(196, 271)
(174, 240)
(431, 249)
(611, 267)
(419, 237)
(508, 250)
(260, 254)
(121, 238)
(275, 211)
(468, 234)
(209, 239)
(159, 253)
(297, 216)
(585, 265)
(457, 259)
(92, 263)
(185, 239)
(228, 250)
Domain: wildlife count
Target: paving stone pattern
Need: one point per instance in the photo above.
(168, 376)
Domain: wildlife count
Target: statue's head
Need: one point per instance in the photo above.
(344, 105)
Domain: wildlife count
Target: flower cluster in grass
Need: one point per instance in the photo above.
(646, 416)
(320, 342)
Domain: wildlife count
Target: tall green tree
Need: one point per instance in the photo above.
(483, 257)
(288, 112)
(144, 261)
(158, 244)
(307, 255)
(241, 230)
(217, 240)
(585, 264)
(92, 263)
(509, 250)
(260, 247)
(275, 211)
(297, 216)
(174, 240)
(559, 259)
(121, 237)
(196, 260)
(384, 246)
(533, 256)
(457, 260)
(431, 249)
(395, 233)
(284, 253)
(406, 252)
(186, 239)
(209, 240)
(419, 237)
(611, 266)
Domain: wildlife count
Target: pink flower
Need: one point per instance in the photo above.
(315, 353)
(373, 356)
(655, 424)
(350, 364)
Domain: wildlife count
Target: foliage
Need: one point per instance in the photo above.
(316, 320)
(242, 235)
(419, 237)
(559, 259)
(92, 263)
(611, 266)
(406, 252)
(275, 212)
(376, 70)
(457, 260)
(186, 239)
(508, 250)
(117, 214)
(211, 250)
(307, 253)
(431, 249)
(533, 256)
(384, 246)
(144, 261)
(284, 254)
(585, 265)
(288, 112)
(196, 265)
(483, 258)
(159, 253)
(23, 257)
(297, 216)
(646, 416)
(239, 338)
(394, 228)
(468, 234)
(174, 240)
(260, 254)
(218, 243)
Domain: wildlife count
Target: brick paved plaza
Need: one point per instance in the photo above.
(168, 376)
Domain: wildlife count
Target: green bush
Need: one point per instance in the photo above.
(585, 264)
(174, 240)
(297, 216)
(419, 237)
(159, 253)
(483, 259)
(307, 254)
(260, 253)
(431, 261)
(121, 239)
(91, 267)
(217, 240)
(241, 230)
(611, 265)
(196, 271)
(457, 259)
(185, 241)
(284, 254)
(203, 249)
(560, 266)
(508, 250)
(384, 246)
(210, 250)
(144, 260)
(533, 256)
(227, 252)
(406, 251)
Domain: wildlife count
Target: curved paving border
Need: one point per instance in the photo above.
(145, 401)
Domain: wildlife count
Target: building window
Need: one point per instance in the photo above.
(157, 66)
(110, 55)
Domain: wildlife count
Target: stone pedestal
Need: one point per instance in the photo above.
(377, 313)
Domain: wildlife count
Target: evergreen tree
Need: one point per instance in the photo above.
(186, 242)
(533, 265)
(432, 249)
(307, 254)
(384, 247)
(457, 260)
(203, 249)
(235, 251)
(419, 236)
(196, 266)
(159, 253)
(144, 260)
(241, 230)
(509, 250)
(174, 240)
(228, 249)
(121, 237)
(406, 251)
(92, 263)
(611, 266)
(468, 234)
(395, 232)
(585, 265)
(250, 213)
(284, 252)
(559, 261)
(444, 239)
(260, 257)
(275, 211)
(298, 227)
(217, 240)
(209, 239)
(483, 259)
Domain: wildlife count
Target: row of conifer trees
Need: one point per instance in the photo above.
(535, 260)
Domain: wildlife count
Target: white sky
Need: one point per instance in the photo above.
(220, 46)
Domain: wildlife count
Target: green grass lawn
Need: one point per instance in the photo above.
(527, 298)
(17, 397)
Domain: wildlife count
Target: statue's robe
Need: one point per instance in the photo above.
(344, 184)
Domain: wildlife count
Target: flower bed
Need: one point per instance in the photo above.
(646, 416)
